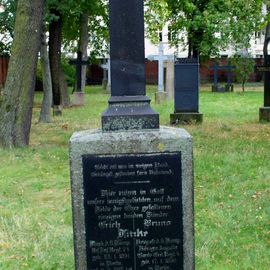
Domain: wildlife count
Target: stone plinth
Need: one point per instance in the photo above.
(185, 118)
(57, 110)
(126, 163)
(265, 114)
(78, 99)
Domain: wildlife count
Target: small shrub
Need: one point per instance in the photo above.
(244, 64)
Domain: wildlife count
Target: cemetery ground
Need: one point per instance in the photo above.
(232, 190)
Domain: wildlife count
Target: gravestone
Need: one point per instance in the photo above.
(186, 96)
(229, 86)
(132, 180)
(78, 93)
(264, 112)
(162, 59)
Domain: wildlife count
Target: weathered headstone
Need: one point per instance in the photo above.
(265, 110)
(229, 86)
(132, 189)
(186, 96)
(78, 93)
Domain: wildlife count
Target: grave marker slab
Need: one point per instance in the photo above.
(132, 192)
(132, 189)
(186, 96)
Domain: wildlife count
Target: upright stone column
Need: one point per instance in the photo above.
(170, 79)
(131, 181)
(160, 95)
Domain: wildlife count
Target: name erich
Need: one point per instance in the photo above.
(124, 233)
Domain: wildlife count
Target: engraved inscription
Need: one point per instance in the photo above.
(133, 211)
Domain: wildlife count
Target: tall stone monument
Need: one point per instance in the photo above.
(132, 180)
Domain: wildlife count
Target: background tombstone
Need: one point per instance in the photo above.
(162, 59)
(186, 97)
(132, 189)
(78, 93)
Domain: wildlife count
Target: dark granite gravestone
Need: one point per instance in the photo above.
(264, 112)
(79, 62)
(133, 211)
(129, 108)
(186, 96)
(229, 86)
(132, 181)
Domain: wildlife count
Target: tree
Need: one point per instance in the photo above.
(55, 36)
(207, 26)
(17, 100)
(244, 66)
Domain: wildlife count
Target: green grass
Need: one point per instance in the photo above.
(232, 185)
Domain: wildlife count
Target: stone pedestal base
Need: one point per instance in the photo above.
(133, 170)
(129, 112)
(57, 110)
(265, 114)
(160, 97)
(78, 99)
(222, 89)
(186, 118)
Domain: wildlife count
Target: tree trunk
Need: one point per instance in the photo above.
(243, 85)
(17, 101)
(83, 43)
(55, 31)
(45, 113)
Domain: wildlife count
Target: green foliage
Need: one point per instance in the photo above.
(156, 16)
(71, 11)
(206, 26)
(69, 71)
(7, 20)
(98, 23)
(244, 64)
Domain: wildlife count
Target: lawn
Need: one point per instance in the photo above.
(232, 185)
